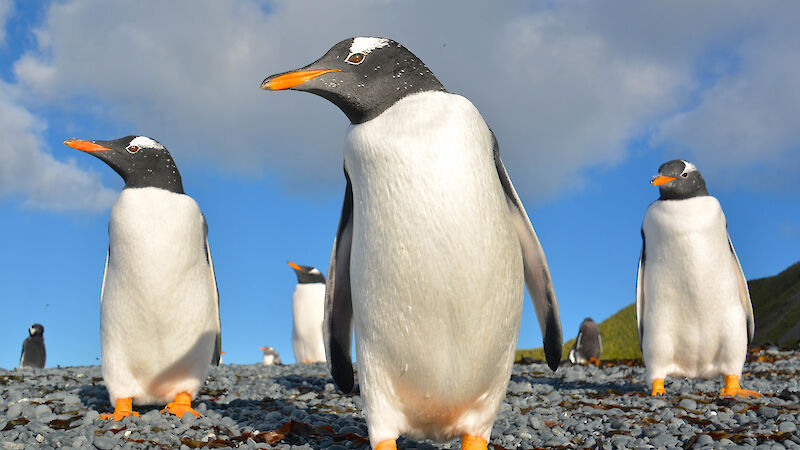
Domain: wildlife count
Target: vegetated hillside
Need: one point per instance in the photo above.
(776, 307)
(776, 310)
(620, 338)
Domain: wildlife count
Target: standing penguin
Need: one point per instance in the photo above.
(308, 311)
(33, 353)
(588, 345)
(692, 304)
(271, 357)
(159, 305)
(432, 250)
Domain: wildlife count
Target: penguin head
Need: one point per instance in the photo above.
(363, 76)
(268, 350)
(678, 180)
(140, 161)
(587, 324)
(36, 330)
(307, 274)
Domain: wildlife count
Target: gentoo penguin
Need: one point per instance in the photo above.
(33, 353)
(271, 357)
(159, 306)
(431, 253)
(589, 344)
(308, 310)
(692, 304)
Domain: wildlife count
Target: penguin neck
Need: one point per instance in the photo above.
(163, 175)
(673, 195)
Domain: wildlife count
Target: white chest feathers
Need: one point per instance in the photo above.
(158, 311)
(435, 268)
(694, 323)
(308, 306)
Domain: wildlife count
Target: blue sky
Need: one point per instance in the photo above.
(586, 101)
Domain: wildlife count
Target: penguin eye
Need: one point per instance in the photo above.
(132, 149)
(355, 58)
(685, 175)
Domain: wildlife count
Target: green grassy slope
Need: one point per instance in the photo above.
(776, 310)
(620, 338)
(776, 307)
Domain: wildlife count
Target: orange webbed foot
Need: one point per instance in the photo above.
(389, 444)
(472, 442)
(733, 389)
(181, 405)
(122, 409)
(658, 388)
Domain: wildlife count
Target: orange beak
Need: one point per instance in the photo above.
(85, 146)
(292, 79)
(294, 266)
(659, 180)
(262, 349)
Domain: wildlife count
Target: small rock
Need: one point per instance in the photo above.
(104, 443)
(787, 427)
(188, 418)
(704, 439)
(768, 412)
(688, 403)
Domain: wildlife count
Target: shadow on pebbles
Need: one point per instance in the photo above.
(297, 406)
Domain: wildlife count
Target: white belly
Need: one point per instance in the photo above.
(308, 309)
(694, 323)
(158, 323)
(436, 270)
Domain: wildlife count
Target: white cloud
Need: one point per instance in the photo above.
(565, 86)
(26, 167)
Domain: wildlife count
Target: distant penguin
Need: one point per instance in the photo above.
(432, 250)
(589, 344)
(159, 305)
(271, 357)
(308, 311)
(692, 304)
(33, 353)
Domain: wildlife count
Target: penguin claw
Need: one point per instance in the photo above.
(181, 405)
(739, 393)
(733, 389)
(388, 444)
(658, 388)
(122, 409)
(472, 442)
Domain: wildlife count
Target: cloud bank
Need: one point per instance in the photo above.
(565, 86)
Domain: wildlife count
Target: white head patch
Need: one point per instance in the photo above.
(145, 142)
(689, 167)
(314, 271)
(367, 44)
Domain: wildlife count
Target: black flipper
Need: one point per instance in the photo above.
(338, 325)
(537, 274)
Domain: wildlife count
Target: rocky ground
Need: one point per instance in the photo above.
(297, 406)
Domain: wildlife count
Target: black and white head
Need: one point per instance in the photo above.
(363, 76)
(140, 161)
(307, 274)
(36, 330)
(678, 180)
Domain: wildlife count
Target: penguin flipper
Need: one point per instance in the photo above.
(744, 293)
(338, 325)
(537, 274)
(579, 341)
(105, 272)
(215, 355)
(640, 294)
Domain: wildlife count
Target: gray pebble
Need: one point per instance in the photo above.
(104, 443)
(768, 412)
(688, 403)
(787, 427)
